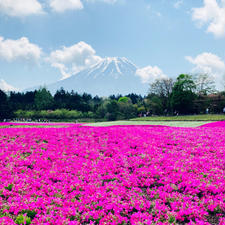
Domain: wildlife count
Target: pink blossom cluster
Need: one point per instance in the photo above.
(112, 175)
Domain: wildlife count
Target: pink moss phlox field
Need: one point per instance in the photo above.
(113, 175)
(37, 124)
(215, 124)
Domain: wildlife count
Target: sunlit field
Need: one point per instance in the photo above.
(139, 174)
(163, 123)
(200, 117)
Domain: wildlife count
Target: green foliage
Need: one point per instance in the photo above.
(185, 96)
(185, 82)
(155, 105)
(51, 114)
(4, 109)
(63, 113)
(171, 219)
(141, 109)
(21, 219)
(124, 99)
(111, 110)
(160, 90)
(126, 110)
(43, 99)
(3, 96)
(101, 111)
(108, 110)
(30, 213)
(182, 97)
(23, 101)
(135, 99)
(9, 187)
(20, 114)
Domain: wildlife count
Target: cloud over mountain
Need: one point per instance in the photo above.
(72, 59)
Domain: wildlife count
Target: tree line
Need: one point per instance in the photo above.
(187, 94)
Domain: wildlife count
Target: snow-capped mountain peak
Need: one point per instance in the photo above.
(6, 87)
(112, 66)
(112, 75)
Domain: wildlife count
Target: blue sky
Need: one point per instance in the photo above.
(42, 41)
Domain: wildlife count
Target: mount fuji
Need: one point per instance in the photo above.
(116, 75)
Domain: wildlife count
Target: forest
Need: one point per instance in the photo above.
(186, 95)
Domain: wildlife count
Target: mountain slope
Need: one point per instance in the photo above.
(110, 76)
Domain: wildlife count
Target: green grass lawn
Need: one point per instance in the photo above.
(175, 121)
(166, 123)
(205, 117)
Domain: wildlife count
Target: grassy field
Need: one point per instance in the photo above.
(165, 123)
(205, 117)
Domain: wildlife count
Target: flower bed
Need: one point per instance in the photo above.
(112, 175)
(27, 124)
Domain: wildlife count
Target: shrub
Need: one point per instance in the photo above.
(21, 219)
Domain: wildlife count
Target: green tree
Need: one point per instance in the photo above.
(154, 104)
(161, 90)
(4, 109)
(136, 99)
(108, 110)
(61, 99)
(127, 110)
(125, 99)
(183, 96)
(43, 99)
(16, 100)
(111, 110)
(204, 84)
(141, 109)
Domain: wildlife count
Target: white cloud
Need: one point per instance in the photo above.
(150, 74)
(105, 1)
(178, 4)
(63, 5)
(210, 64)
(70, 60)
(20, 8)
(6, 87)
(110, 1)
(23, 8)
(212, 14)
(21, 50)
(63, 70)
